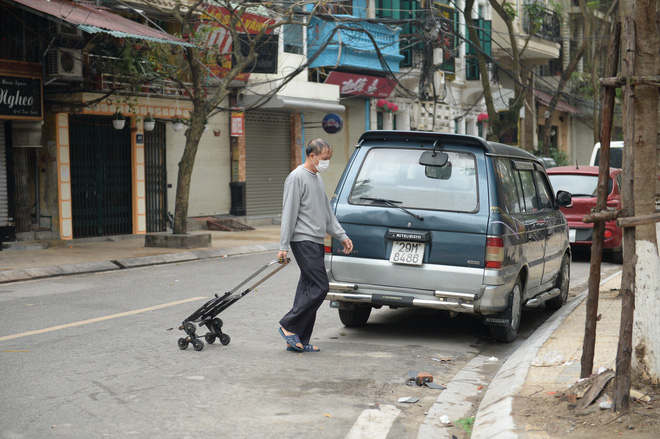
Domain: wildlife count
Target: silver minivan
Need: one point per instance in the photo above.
(447, 222)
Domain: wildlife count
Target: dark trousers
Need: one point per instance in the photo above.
(311, 291)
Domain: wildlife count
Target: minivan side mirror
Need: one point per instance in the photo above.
(433, 158)
(564, 199)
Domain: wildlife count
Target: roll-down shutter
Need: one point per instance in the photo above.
(267, 161)
(4, 192)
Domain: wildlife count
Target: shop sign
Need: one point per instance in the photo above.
(214, 25)
(332, 123)
(20, 98)
(446, 40)
(363, 85)
(237, 123)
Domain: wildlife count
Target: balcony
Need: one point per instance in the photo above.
(544, 24)
(351, 46)
(544, 42)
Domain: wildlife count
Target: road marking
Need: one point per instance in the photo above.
(374, 423)
(99, 319)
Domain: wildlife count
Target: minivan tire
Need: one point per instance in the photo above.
(563, 282)
(355, 317)
(509, 332)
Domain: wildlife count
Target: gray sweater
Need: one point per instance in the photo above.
(306, 212)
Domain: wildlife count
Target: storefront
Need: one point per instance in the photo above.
(21, 115)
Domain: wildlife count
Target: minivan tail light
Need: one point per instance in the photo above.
(494, 252)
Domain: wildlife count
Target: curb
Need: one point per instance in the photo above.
(17, 275)
(494, 419)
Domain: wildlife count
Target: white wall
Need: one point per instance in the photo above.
(209, 188)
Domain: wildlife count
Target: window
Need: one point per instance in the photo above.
(508, 188)
(578, 185)
(396, 175)
(293, 38)
(483, 28)
(529, 191)
(337, 7)
(545, 195)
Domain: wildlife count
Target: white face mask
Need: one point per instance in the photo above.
(323, 165)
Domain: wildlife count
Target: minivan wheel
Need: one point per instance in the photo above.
(509, 332)
(355, 317)
(563, 281)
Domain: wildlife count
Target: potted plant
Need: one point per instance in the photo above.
(118, 120)
(149, 122)
(177, 123)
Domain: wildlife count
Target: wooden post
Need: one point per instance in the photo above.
(622, 379)
(589, 342)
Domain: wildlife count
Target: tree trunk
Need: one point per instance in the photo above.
(646, 337)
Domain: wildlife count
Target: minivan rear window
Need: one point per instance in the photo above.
(395, 175)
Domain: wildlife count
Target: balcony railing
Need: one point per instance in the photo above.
(107, 82)
(351, 45)
(541, 22)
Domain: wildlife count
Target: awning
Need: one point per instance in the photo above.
(292, 104)
(93, 20)
(545, 98)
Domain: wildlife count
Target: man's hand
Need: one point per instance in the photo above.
(348, 245)
(281, 256)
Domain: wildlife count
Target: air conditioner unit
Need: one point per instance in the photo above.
(67, 31)
(65, 63)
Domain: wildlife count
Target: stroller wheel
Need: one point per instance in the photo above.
(225, 339)
(189, 328)
(218, 322)
(198, 344)
(183, 344)
(210, 338)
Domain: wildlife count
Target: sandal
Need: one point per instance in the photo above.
(306, 348)
(293, 340)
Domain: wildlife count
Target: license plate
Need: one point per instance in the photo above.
(571, 235)
(410, 253)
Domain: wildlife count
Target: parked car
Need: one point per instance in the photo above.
(582, 181)
(447, 222)
(548, 162)
(616, 154)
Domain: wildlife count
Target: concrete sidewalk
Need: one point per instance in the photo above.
(117, 252)
(549, 360)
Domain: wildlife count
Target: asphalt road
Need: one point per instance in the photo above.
(96, 356)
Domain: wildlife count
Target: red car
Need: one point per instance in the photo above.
(582, 183)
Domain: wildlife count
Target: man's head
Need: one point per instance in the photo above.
(317, 147)
(319, 153)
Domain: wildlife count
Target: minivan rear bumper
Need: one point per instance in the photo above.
(489, 300)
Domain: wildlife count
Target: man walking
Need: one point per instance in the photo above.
(306, 220)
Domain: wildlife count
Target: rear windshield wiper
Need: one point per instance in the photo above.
(394, 204)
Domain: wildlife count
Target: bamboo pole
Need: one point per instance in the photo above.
(589, 342)
(622, 380)
(638, 220)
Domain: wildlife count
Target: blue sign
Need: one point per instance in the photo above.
(139, 139)
(332, 123)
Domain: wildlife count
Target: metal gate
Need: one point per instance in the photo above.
(155, 176)
(267, 161)
(101, 180)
